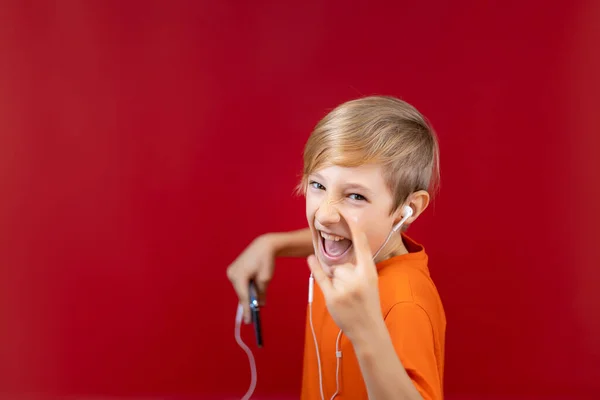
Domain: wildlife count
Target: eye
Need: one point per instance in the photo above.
(316, 185)
(357, 197)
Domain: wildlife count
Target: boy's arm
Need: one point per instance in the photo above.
(397, 358)
(381, 345)
(291, 244)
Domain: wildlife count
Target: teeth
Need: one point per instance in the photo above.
(332, 237)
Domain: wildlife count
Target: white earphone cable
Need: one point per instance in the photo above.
(311, 283)
(338, 352)
(394, 230)
(240, 342)
(338, 356)
(384, 244)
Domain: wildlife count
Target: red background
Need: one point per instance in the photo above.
(143, 145)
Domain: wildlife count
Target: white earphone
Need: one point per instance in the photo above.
(406, 214)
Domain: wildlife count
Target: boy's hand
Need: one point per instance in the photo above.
(352, 294)
(257, 263)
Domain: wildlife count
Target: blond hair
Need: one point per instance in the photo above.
(377, 129)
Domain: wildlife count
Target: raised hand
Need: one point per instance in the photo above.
(352, 294)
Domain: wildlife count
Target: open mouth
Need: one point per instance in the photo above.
(334, 247)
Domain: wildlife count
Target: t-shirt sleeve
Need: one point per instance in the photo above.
(412, 336)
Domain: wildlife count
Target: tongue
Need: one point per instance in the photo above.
(338, 248)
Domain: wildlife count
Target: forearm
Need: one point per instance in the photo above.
(291, 244)
(383, 373)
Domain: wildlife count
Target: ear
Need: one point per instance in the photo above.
(418, 201)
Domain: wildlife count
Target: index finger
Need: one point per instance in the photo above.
(241, 288)
(360, 243)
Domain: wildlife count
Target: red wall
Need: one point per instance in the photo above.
(143, 146)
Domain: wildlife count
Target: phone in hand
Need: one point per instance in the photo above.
(255, 312)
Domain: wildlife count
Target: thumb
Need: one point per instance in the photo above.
(317, 272)
(241, 287)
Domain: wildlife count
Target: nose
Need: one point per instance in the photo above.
(327, 213)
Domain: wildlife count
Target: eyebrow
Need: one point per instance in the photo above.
(318, 176)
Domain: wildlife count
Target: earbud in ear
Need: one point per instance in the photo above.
(407, 212)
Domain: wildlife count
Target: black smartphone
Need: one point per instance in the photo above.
(255, 312)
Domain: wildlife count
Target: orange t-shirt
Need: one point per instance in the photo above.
(415, 319)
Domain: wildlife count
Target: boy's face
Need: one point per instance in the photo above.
(336, 194)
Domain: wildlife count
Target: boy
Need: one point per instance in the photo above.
(376, 326)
